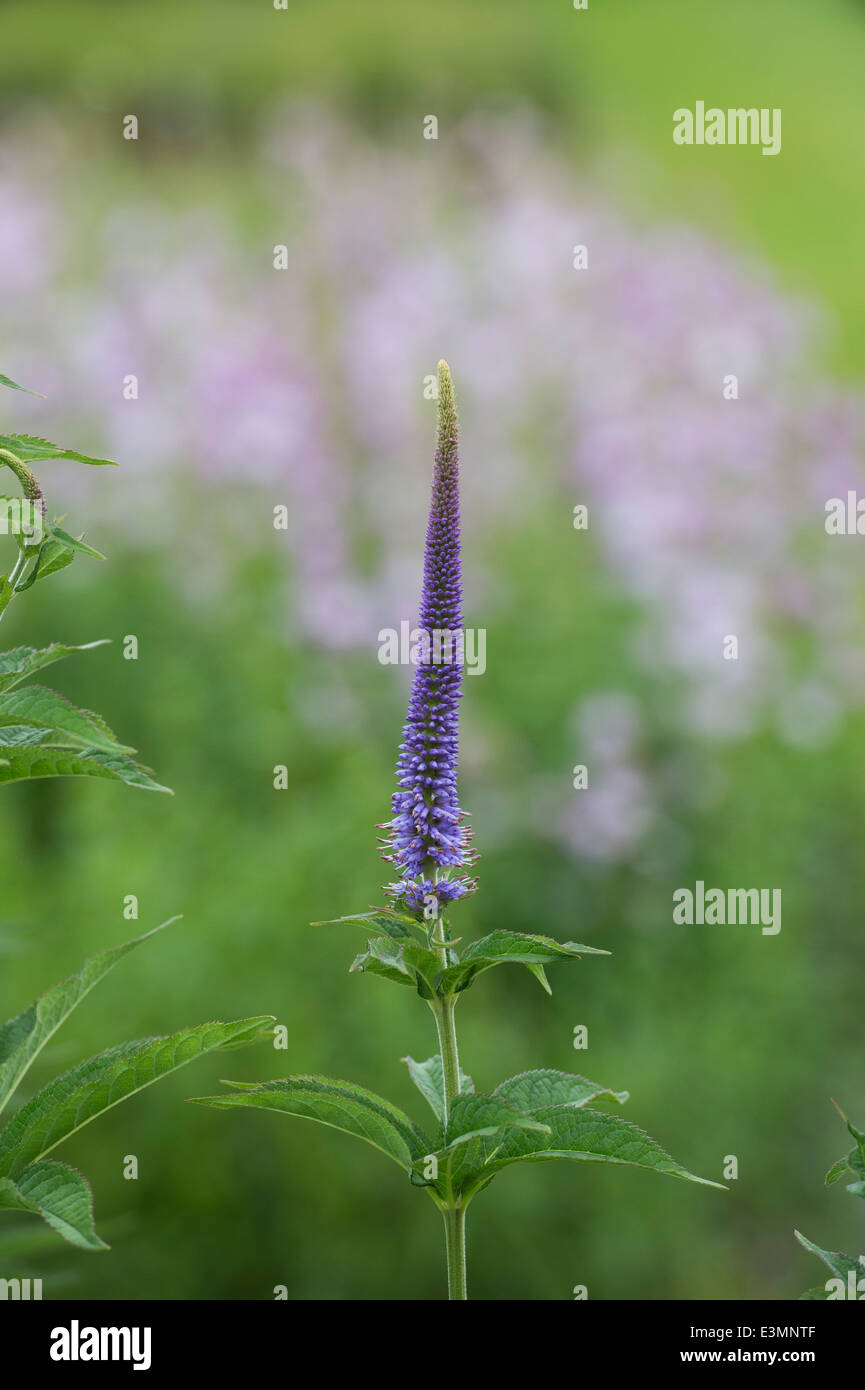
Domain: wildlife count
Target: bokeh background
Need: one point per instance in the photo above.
(304, 387)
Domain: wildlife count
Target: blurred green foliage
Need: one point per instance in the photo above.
(730, 1043)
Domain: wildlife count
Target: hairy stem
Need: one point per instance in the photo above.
(454, 1214)
(455, 1239)
(446, 1028)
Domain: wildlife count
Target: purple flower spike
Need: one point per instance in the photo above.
(428, 835)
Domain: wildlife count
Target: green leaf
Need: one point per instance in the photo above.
(836, 1171)
(19, 663)
(428, 1076)
(404, 962)
(40, 708)
(533, 1089)
(540, 975)
(52, 558)
(13, 385)
(73, 542)
(338, 1104)
(59, 1194)
(821, 1292)
(27, 763)
(477, 1116)
(519, 948)
(31, 449)
(380, 921)
(856, 1157)
(840, 1264)
(580, 1135)
(23, 1037)
(475, 1124)
(73, 1100)
(378, 959)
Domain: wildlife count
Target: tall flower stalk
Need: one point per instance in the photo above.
(534, 1116)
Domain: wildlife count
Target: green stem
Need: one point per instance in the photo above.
(33, 492)
(447, 1035)
(455, 1213)
(455, 1239)
(445, 1025)
(14, 575)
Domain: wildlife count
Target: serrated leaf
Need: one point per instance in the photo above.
(840, 1264)
(13, 385)
(428, 1076)
(31, 449)
(503, 947)
(476, 1125)
(579, 1135)
(74, 1099)
(66, 726)
(533, 1089)
(23, 1037)
(60, 1195)
(27, 763)
(339, 1104)
(379, 921)
(19, 663)
(478, 1116)
(368, 963)
(813, 1295)
(526, 947)
(404, 961)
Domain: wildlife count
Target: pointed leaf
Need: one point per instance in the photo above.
(21, 662)
(38, 707)
(540, 975)
(27, 763)
(338, 1104)
(533, 1089)
(31, 449)
(13, 385)
(428, 1076)
(379, 921)
(73, 1100)
(73, 542)
(23, 1037)
(840, 1264)
(60, 1195)
(581, 1135)
(501, 947)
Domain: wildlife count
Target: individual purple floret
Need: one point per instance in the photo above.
(428, 836)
